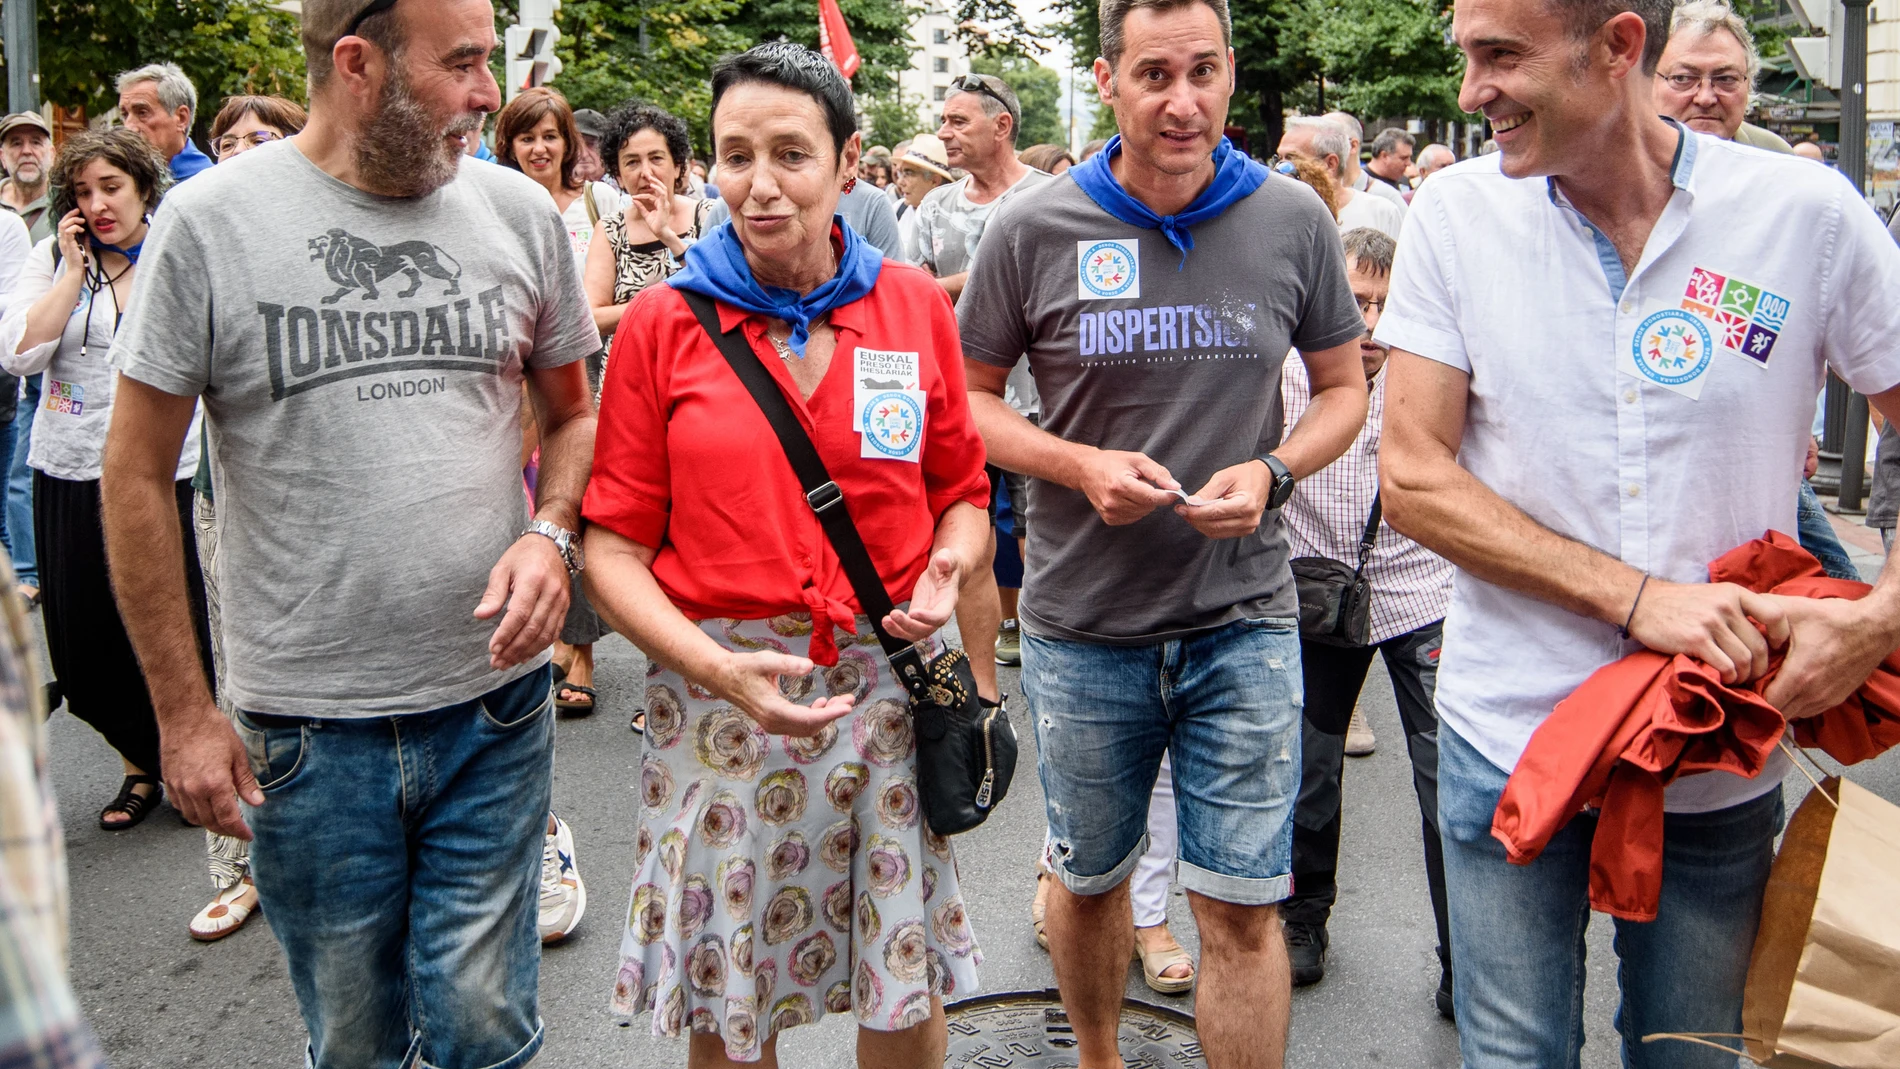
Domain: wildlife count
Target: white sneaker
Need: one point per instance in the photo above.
(563, 895)
(1359, 739)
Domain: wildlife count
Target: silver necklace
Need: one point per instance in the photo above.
(784, 347)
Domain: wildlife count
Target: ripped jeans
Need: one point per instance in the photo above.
(1224, 704)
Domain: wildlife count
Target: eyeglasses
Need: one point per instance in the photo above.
(974, 83)
(232, 144)
(1726, 84)
(374, 7)
(1371, 306)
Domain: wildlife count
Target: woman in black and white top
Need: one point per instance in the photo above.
(60, 321)
(647, 150)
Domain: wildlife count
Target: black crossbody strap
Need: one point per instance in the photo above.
(1371, 533)
(823, 495)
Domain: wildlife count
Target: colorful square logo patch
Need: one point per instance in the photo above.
(1747, 319)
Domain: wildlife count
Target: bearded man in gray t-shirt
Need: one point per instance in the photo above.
(1156, 290)
(359, 308)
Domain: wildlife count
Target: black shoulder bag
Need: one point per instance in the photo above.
(966, 754)
(1336, 599)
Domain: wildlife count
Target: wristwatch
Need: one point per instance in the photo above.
(1282, 480)
(564, 540)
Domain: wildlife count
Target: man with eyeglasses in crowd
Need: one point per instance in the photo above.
(387, 643)
(1703, 81)
(1707, 71)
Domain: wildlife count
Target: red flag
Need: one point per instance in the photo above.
(834, 38)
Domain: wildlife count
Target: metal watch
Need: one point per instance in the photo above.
(564, 540)
(1282, 480)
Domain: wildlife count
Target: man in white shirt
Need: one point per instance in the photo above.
(1324, 142)
(1357, 179)
(1583, 483)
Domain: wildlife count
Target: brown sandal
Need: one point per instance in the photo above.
(1039, 907)
(1155, 963)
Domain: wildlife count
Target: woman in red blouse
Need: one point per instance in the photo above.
(784, 868)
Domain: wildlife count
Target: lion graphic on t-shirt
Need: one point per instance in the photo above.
(354, 263)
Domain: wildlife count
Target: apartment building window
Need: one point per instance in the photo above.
(940, 36)
(941, 64)
(941, 91)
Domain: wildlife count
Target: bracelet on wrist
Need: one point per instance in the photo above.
(1631, 618)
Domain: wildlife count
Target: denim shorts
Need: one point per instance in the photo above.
(1224, 704)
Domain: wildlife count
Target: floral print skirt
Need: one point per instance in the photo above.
(781, 879)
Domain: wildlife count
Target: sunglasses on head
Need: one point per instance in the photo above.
(974, 83)
(374, 7)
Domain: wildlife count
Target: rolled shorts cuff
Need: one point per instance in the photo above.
(1234, 890)
(514, 1061)
(1107, 881)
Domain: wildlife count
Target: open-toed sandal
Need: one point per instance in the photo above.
(1039, 907)
(135, 806)
(581, 706)
(1155, 963)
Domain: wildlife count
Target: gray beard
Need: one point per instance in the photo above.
(403, 151)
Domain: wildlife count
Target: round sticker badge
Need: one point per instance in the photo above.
(1673, 347)
(1108, 269)
(893, 424)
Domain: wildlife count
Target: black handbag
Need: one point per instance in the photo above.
(966, 753)
(1335, 598)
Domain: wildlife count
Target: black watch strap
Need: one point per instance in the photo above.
(1282, 480)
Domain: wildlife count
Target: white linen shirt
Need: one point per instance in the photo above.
(1326, 517)
(1502, 279)
(69, 426)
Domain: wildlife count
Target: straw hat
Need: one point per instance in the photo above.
(926, 154)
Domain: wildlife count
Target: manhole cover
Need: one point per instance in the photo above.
(1030, 1030)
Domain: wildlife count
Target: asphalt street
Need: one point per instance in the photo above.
(160, 1000)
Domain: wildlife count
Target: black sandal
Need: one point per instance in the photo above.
(571, 706)
(136, 807)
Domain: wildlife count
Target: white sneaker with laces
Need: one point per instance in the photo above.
(563, 895)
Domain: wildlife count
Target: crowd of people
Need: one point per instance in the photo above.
(524, 386)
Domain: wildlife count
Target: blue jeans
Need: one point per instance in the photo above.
(1817, 535)
(1225, 707)
(26, 566)
(399, 861)
(1517, 931)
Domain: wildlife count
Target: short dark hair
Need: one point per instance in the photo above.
(1584, 17)
(1114, 13)
(1370, 249)
(325, 22)
(1045, 157)
(629, 119)
(285, 116)
(1389, 140)
(795, 67)
(119, 146)
(524, 113)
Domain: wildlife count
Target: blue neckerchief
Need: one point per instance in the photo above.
(716, 267)
(1236, 175)
(131, 255)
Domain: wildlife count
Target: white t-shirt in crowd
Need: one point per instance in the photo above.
(580, 224)
(1662, 418)
(1364, 209)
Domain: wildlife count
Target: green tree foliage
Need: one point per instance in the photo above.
(1039, 90)
(1372, 57)
(892, 118)
(658, 51)
(226, 47)
(879, 28)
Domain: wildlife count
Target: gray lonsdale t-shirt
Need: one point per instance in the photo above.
(1134, 350)
(361, 361)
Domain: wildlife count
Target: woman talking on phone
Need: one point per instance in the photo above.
(61, 320)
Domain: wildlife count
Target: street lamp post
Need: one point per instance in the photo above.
(19, 19)
(1853, 163)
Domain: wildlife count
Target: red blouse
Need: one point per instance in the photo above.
(686, 463)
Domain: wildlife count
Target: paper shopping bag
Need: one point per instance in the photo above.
(1824, 982)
